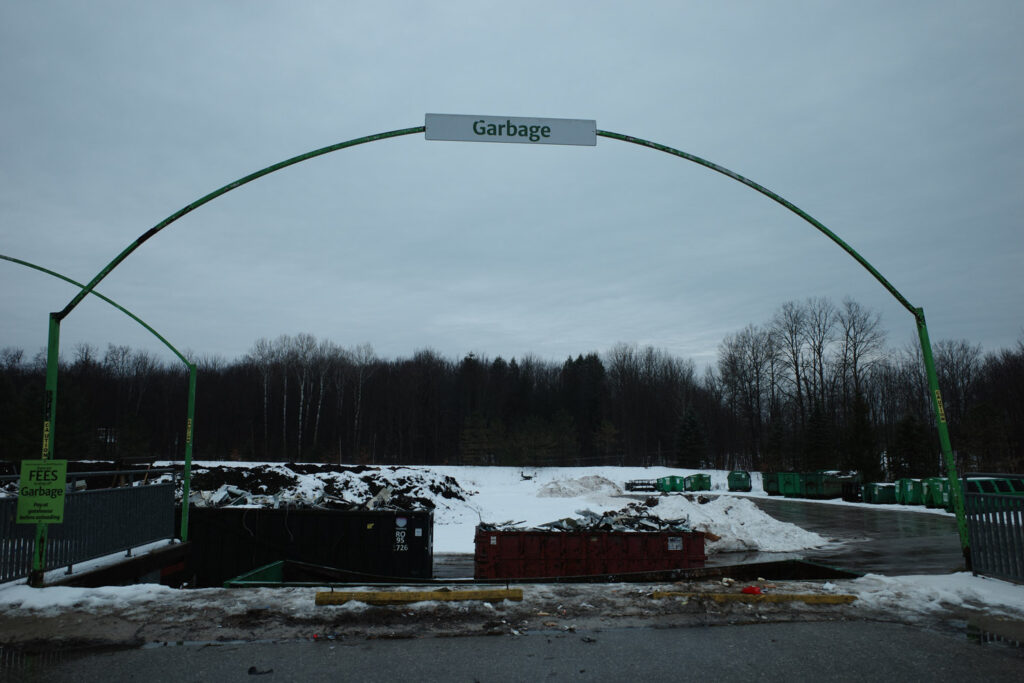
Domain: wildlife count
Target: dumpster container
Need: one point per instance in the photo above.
(867, 492)
(677, 483)
(583, 555)
(770, 483)
(850, 487)
(698, 482)
(936, 493)
(909, 491)
(791, 484)
(739, 480)
(882, 494)
(822, 485)
(365, 545)
(664, 484)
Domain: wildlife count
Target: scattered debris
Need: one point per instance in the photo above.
(633, 517)
(304, 485)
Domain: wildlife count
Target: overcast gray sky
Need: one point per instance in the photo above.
(899, 125)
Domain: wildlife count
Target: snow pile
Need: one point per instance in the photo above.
(56, 599)
(539, 496)
(937, 593)
(739, 524)
(572, 488)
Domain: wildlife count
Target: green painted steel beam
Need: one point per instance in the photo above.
(39, 557)
(104, 298)
(774, 197)
(222, 191)
(918, 313)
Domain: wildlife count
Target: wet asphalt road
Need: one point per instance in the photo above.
(868, 539)
(817, 651)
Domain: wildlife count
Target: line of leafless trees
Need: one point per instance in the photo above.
(816, 386)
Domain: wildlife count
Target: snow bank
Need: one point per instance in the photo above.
(739, 523)
(936, 593)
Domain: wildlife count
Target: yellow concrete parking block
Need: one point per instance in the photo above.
(407, 597)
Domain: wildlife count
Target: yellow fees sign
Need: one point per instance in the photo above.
(41, 491)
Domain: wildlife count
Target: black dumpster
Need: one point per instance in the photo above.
(366, 546)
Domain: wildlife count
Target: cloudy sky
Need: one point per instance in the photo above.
(899, 125)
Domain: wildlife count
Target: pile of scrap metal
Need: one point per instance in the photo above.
(642, 485)
(387, 498)
(630, 518)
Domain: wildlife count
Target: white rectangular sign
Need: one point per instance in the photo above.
(531, 131)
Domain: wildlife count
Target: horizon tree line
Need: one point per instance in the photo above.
(814, 387)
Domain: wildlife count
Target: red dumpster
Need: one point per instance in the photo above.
(511, 554)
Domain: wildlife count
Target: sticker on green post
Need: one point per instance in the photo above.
(41, 491)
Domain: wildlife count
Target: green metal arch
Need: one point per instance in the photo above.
(774, 197)
(918, 313)
(217, 193)
(104, 298)
(187, 475)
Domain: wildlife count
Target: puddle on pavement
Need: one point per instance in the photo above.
(30, 664)
(995, 631)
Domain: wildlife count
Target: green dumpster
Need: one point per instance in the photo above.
(698, 482)
(822, 485)
(677, 483)
(882, 494)
(664, 484)
(936, 493)
(770, 483)
(739, 480)
(909, 491)
(791, 484)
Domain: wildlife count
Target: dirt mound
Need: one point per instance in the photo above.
(324, 486)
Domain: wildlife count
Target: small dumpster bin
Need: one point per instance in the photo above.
(770, 483)
(739, 480)
(882, 494)
(936, 493)
(698, 482)
(909, 491)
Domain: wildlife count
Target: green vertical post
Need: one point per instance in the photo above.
(50, 409)
(35, 577)
(187, 477)
(956, 492)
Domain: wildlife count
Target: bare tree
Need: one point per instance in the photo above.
(10, 358)
(863, 342)
(819, 332)
(325, 353)
(788, 327)
(958, 364)
(304, 350)
(363, 358)
(285, 358)
(262, 356)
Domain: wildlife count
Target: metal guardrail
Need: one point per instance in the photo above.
(96, 523)
(995, 524)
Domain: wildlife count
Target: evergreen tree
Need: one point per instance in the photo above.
(693, 447)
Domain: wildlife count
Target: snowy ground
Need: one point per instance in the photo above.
(155, 614)
(531, 496)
